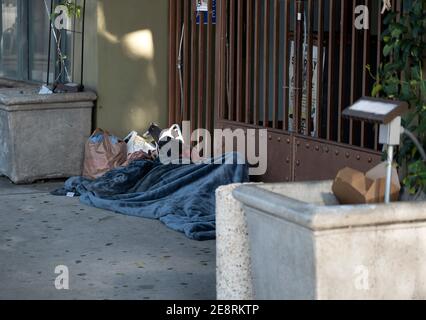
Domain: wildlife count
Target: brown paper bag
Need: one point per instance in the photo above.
(102, 155)
(355, 187)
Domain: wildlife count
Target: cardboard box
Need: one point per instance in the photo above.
(354, 187)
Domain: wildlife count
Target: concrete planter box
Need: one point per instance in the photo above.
(306, 246)
(233, 267)
(43, 136)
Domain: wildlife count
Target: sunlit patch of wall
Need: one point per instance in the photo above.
(130, 53)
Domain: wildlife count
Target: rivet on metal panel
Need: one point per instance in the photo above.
(298, 143)
(370, 160)
(317, 148)
(288, 141)
(327, 150)
(308, 146)
(279, 139)
(348, 155)
(287, 179)
(358, 157)
(337, 152)
(298, 163)
(270, 137)
(287, 160)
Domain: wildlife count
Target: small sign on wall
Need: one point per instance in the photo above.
(202, 5)
(203, 8)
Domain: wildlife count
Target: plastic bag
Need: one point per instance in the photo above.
(173, 133)
(135, 143)
(103, 153)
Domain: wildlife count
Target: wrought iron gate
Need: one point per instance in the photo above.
(291, 66)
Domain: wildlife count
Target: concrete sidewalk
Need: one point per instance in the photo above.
(109, 256)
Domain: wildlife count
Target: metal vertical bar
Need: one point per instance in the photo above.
(220, 83)
(50, 45)
(394, 9)
(209, 75)
(193, 87)
(231, 71)
(249, 41)
(83, 30)
(172, 61)
(266, 30)
(74, 19)
(330, 95)
(178, 108)
(379, 39)
(376, 137)
(397, 7)
(320, 74)
(353, 59)
(225, 49)
(378, 62)
(201, 70)
(342, 63)
(1, 31)
(366, 43)
(298, 105)
(186, 58)
(256, 72)
(239, 75)
(286, 63)
(309, 73)
(275, 64)
(27, 31)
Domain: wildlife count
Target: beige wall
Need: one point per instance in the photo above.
(126, 62)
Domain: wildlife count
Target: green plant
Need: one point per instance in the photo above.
(401, 77)
(416, 178)
(72, 11)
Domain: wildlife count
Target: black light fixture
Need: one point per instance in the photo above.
(386, 113)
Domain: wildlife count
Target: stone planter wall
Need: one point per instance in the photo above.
(43, 136)
(306, 246)
(233, 271)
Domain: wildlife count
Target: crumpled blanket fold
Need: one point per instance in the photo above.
(181, 196)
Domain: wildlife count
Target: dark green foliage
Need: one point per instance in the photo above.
(401, 77)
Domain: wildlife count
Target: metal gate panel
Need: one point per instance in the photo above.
(295, 65)
(253, 68)
(192, 60)
(298, 158)
(322, 160)
(280, 152)
(280, 158)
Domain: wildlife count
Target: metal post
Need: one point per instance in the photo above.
(50, 41)
(299, 66)
(82, 45)
(389, 175)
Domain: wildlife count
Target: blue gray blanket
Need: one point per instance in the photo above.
(181, 196)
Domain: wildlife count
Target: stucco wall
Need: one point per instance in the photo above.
(126, 62)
